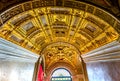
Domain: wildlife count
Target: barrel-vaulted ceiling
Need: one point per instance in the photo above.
(36, 24)
(62, 53)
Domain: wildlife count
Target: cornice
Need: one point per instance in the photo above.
(108, 52)
(12, 52)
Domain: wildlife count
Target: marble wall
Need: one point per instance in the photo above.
(16, 63)
(16, 71)
(104, 71)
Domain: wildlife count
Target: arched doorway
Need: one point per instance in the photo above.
(61, 74)
(60, 55)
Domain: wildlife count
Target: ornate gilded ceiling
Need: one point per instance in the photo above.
(34, 29)
(62, 53)
(36, 24)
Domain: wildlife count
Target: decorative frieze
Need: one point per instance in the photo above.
(105, 16)
(90, 9)
(72, 4)
(11, 13)
(61, 3)
(117, 27)
(27, 6)
(49, 2)
(0, 23)
(37, 4)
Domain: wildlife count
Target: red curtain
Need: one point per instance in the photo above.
(40, 74)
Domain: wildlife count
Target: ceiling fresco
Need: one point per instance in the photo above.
(62, 53)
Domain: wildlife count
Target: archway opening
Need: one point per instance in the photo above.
(61, 74)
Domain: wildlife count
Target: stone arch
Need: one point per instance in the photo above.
(61, 65)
